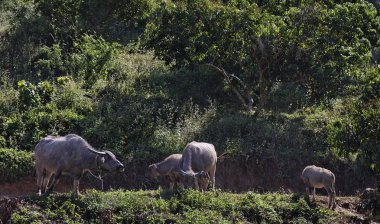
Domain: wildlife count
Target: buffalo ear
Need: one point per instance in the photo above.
(180, 173)
(101, 160)
(152, 167)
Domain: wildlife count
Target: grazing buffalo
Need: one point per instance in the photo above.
(318, 177)
(198, 161)
(70, 155)
(168, 167)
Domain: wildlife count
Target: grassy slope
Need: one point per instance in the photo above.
(165, 207)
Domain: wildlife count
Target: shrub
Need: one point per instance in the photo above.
(175, 132)
(187, 206)
(48, 62)
(287, 97)
(8, 96)
(256, 210)
(92, 59)
(15, 164)
(202, 216)
(28, 94)
(70, 95)
(28, 214)
(357, 131)
(125, 207)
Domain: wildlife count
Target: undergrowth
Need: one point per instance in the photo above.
(15, 164)
(187, 206)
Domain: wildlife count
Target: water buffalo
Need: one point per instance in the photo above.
(198, 158)
(168, 167)
(69, 155)
(318, 177)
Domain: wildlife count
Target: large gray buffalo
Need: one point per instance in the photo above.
(70, 155)
(198, 162)
(318, 177)
(167, 167)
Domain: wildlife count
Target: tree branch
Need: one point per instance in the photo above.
(234, 89)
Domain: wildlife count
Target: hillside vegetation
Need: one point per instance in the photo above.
(275, 84)
(164, 207)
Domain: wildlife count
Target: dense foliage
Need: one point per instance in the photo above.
(164, 207)
(315, 45)
(275, 84)
(279, 79)
(15, 164)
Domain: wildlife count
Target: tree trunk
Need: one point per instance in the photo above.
(247, 100)
(263, 87)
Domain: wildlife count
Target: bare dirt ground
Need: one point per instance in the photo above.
(26, 186)
(347, 210)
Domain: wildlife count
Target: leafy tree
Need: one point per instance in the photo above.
(358, 132)
(342, 47)
(92, 59)
(116, 20)
(224, 38)
(254, 48)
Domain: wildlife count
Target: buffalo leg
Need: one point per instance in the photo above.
(76, 186)
(307, 185)
(313, 193)
(333, 196)
(307, 190)
(40, 179)
(172, 181)
(196, 183)
(331, 193)
(205, 181)
(45, 181)
(330, 196)
(212, 177)
(55, 180)
(205, 184)
(330, 200)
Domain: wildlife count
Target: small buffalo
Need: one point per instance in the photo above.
(69, 155)
(167, 167)
(318, 177)
(198, 164)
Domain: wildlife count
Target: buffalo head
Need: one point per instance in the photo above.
(108, 162)
(152, 172)
(189, 177)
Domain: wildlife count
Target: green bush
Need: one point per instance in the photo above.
(256, 210)
(70, 95)
(287, 97)
(355, 133)
(280, 208)
(28, 214)
(187, 206)
(28, 94)
(202, 216)
(128, 207)
(8, 96)
(48, 62)
(15, 164)
(92, 59)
